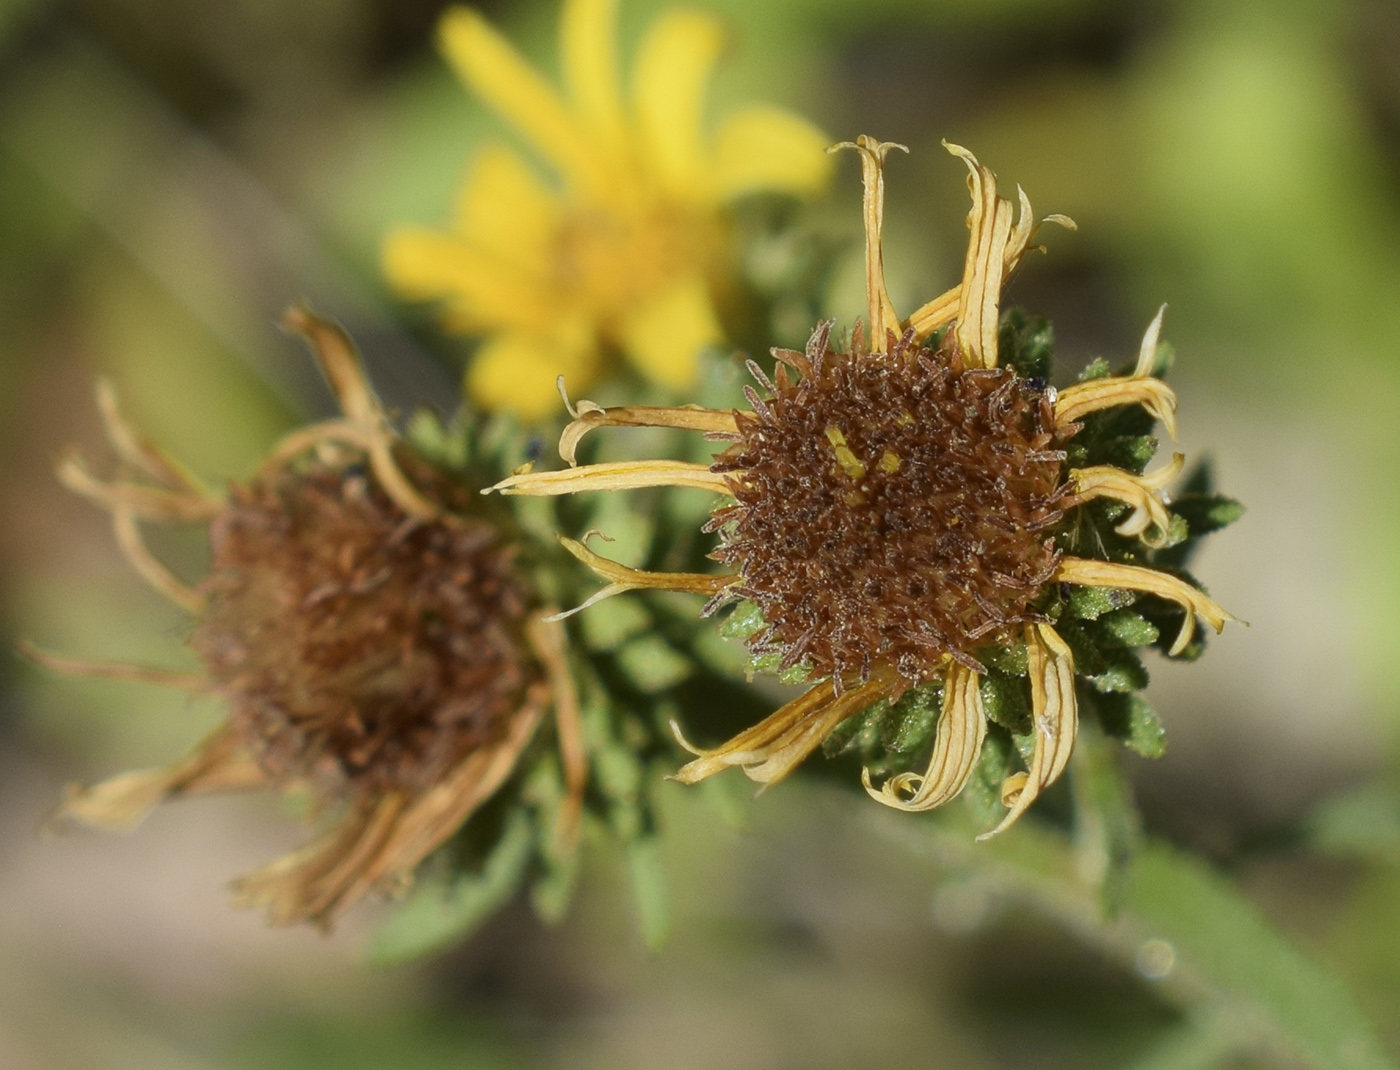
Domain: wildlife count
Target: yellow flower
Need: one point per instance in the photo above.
(895, 514)
(377, 649)
(622, 255)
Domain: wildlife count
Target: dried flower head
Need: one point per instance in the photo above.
(625, 255)
(375, 644)
(901, 511)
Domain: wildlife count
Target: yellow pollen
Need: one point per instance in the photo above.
(889, 462)
(905, 418)
(849, 462)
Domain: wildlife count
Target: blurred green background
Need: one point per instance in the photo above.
(173, 174)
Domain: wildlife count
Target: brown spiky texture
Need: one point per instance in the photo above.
(362, 649)
(891, 509)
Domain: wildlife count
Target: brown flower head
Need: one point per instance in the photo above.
(896, 513)
(374, 642)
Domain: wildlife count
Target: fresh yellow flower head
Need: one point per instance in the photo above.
(620, 255)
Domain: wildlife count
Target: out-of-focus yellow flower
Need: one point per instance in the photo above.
(622, 255)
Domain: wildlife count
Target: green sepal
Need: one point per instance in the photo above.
(1007, 658)
(1091, 603)
(1027, 343)
(1005, 701)
(913, 719)
(1129, 628)
(1130, 719)
(1096, 369)
(982, 796)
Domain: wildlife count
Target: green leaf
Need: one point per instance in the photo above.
(1205, 513)
(1005, 657)
(1364, 823)
(1107, 830)
(606, 624)
(1221, 936)
(652, 664)
(439, 913)
(649, 889)
(1196, 926)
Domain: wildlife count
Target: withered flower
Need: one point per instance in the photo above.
(377, 647)
(897, 512)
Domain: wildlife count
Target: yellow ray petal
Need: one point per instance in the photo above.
(588, 47)
(686, 418)
(506, 212)
(1054, 719)
(484, 292)
(668, 93)
(1089, 573)
(764, 148)
(517, 373)
(615, 475)
(962, 727)
(497, 73)
(771, 749)
(1142, 492)
(663, 336)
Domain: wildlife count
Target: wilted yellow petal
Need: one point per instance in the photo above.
(762, 148)
(1080, 399)
(614, 475)
(122, 802)
(962, 727)
(881, 316)
(588, 47)
(663, 336)
(1054, 720)
(503, 209)
(774, 747)
(686, 418)
(1086, 572)
(1142, 492)
(668, 93)
(497, 73)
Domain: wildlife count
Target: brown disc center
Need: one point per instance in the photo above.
(360, 648)
(891, 508)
